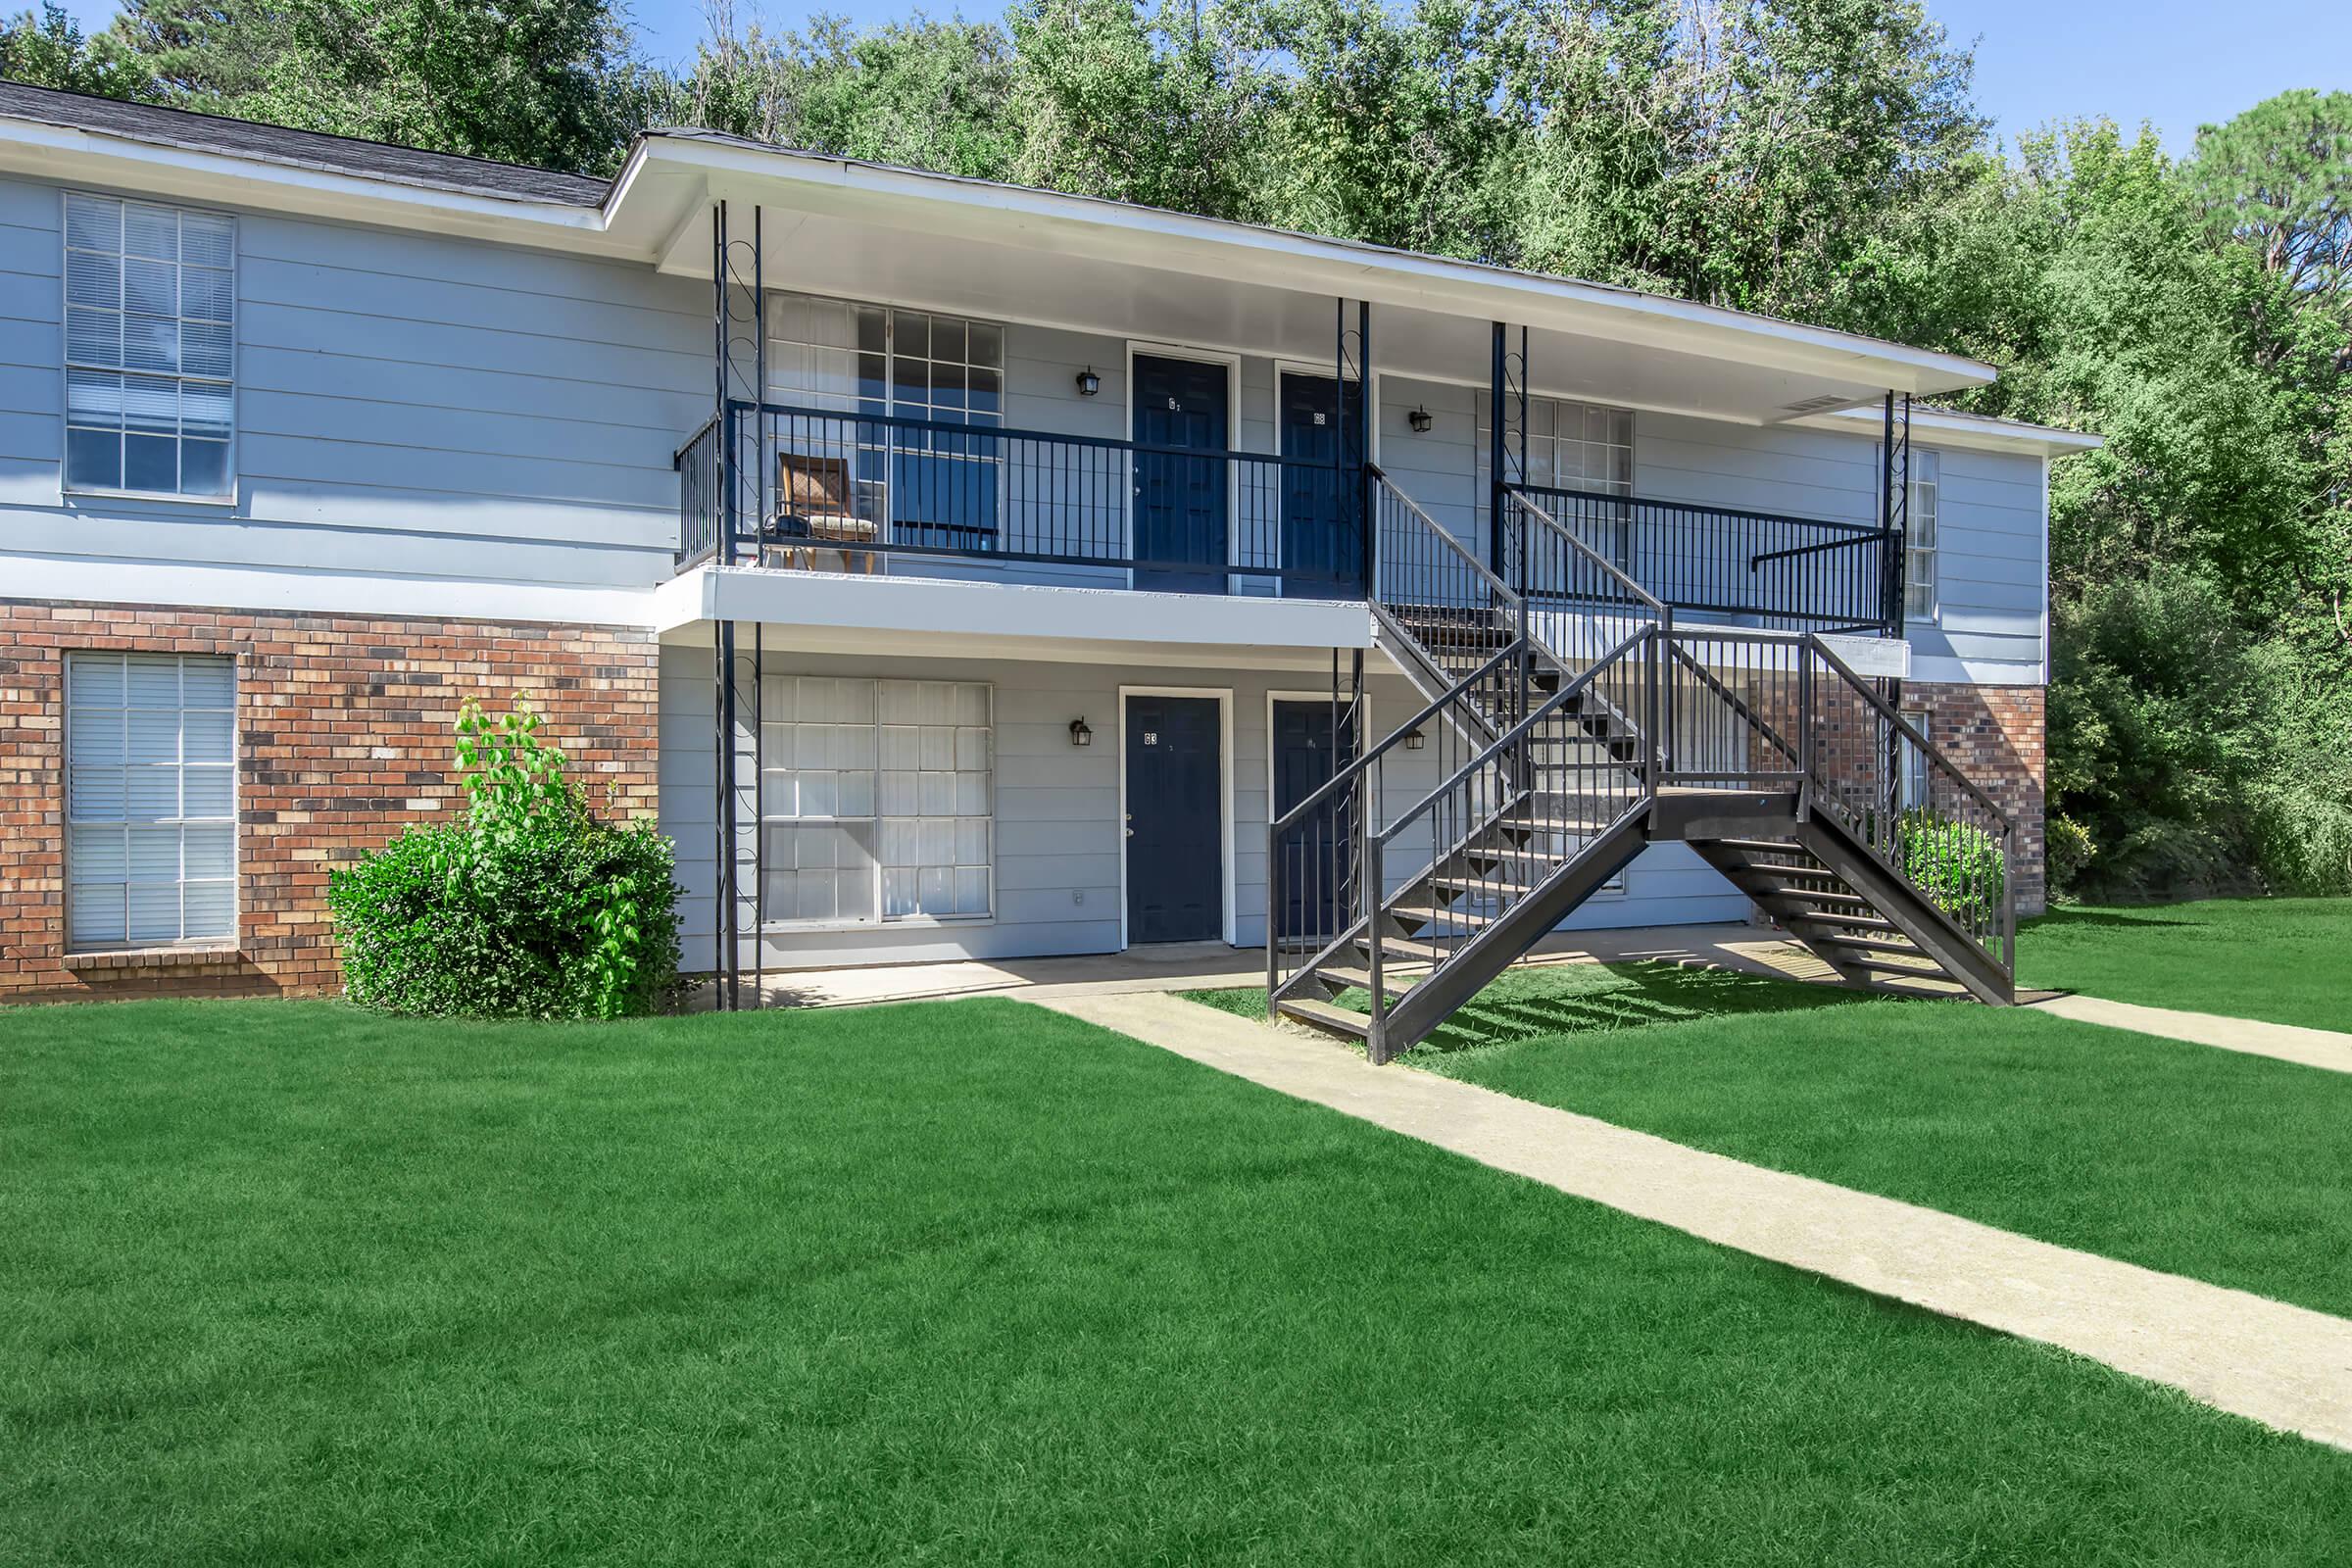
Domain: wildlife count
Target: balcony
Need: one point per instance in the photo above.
(861, 492)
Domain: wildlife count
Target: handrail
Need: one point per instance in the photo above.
(1395, 738)
(1516, 734)
(1905, 728)
(1730, 698)
(1793, 551)
(1610, 567)
(1864, 530)
(1443, 533)
(700, 430)
(1001, 432)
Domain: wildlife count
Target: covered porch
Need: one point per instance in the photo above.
(922, 376)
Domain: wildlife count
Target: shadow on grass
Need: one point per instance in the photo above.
(1578, 998)
(2066, 919)
(1585, 998)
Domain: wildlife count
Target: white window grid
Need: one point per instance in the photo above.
(843, 357)
(1570, 446)
(150, 348)
(1921, 595)
(151, 800)
(876, 800)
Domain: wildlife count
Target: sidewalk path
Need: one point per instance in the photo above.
(2286, 1366)
(2313, 1048)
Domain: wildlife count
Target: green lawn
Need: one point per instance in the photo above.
(2226, 1167)
(958, 1283)
(2286, 960)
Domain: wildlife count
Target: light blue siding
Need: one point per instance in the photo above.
(407, 404)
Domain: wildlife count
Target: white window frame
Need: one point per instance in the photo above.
(1924, 474)
(227, 496)
(881, 917)
(875, 491)
(1482, 413)
(75, 942)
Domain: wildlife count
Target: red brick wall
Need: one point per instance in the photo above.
(343, 736)
(1994, 734)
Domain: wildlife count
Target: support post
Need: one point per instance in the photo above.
(1362, 430)
(718, 372)
(722, 866)
(1494, 450)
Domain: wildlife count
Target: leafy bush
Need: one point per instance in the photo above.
(1957, 865)
(2070, 849)
(528, 906)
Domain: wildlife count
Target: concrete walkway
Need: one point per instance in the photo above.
(2285, 1366)
(2312, 1048)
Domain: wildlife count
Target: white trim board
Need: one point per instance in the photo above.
(1225, 824)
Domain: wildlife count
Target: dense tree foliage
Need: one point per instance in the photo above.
(1816, 159)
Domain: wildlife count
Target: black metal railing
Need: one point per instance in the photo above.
(809, 487)
(1759, 567)
(1929, 822)
(697, 462)
(1442, 604)
(1316, 897)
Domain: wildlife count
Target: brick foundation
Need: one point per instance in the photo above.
(343, 736)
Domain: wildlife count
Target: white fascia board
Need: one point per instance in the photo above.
(916, 615)
(1119, 233)
(199, 585)
(1945, 428)
(73, 157)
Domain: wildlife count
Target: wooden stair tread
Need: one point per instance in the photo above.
(1407, 949)
(1906, 948)
(1392, 982)
(1437, 914)
(1326, 1017)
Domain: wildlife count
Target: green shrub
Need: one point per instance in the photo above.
(527, 907)
(2069, 850)
(1957, 865)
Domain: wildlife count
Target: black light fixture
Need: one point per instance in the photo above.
(1080, 735)
(1089, 383)
(1420, 419)
(1414, 740)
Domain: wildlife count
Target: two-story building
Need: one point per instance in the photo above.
(961, 570)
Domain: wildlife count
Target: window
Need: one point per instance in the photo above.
(875, 799)
(1918, 538)
(1912, 786)
(937, 487)
(1570, 446)
(150, 799)
(150, 308)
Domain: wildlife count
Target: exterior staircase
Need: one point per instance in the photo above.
(1569, 724)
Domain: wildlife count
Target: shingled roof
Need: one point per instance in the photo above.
(302, 149)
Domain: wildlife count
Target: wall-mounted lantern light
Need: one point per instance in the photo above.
(1414, 740)
(1420, 419)
(1089, 383)
(1080, 735)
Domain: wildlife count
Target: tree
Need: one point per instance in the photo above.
(925, 94)
(2278, 179)
(546, 82)
(49, 50)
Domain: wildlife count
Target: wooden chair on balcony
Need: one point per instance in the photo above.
(815, 510)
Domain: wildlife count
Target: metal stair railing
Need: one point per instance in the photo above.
(1937, 831)
(1314, 904)
(1435, 596)
(1514, 814)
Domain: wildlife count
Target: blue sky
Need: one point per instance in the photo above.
(2173, 63)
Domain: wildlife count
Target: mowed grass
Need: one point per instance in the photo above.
(960, 1283)
(2283, 961)
(2224, 1167)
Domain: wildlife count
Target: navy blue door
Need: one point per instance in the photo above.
(1175, 831)
(1316, 858)
(1322, 532)
(1179, 501)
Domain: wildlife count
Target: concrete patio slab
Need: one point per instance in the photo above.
(1214, 967)
(2286, 1366)
(2312, 1048)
